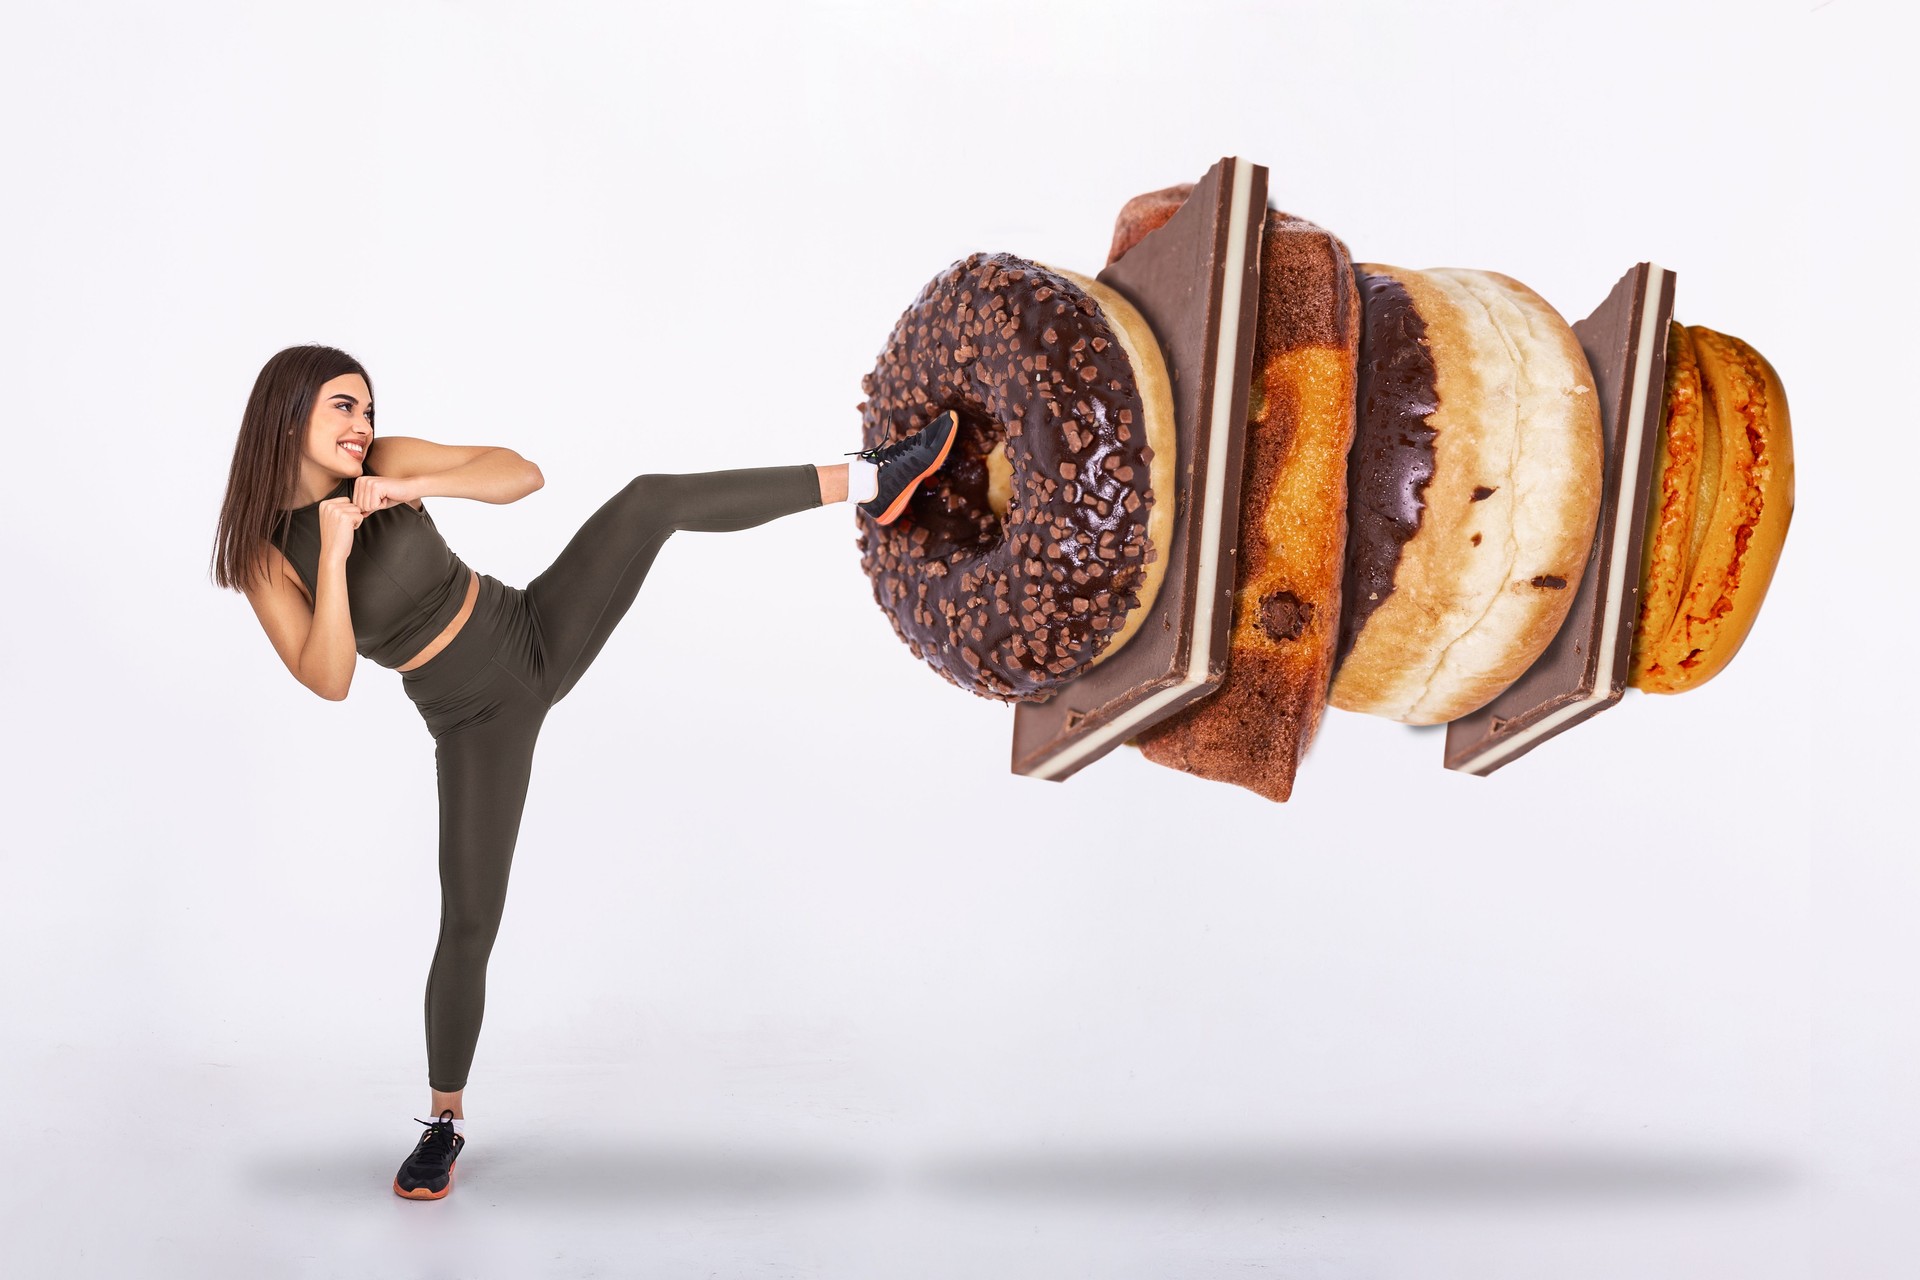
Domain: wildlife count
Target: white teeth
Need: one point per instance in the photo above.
(357, 451)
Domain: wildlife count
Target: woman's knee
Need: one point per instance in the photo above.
(656, 497)
(653, 488)
(468, 933)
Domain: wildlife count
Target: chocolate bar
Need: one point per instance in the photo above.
(1196, 282)
(1584, 670)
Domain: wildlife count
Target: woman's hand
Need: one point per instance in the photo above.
(339, 517)
(377, 493)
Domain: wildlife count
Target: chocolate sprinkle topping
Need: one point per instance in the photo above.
(1023, 355)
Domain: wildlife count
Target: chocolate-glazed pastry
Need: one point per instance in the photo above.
(1061, 389)
(1392, 461)
(1254, 729)
(1472, 519)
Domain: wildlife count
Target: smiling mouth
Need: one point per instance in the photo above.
(357, 450)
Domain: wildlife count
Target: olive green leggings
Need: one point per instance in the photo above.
(485, 695)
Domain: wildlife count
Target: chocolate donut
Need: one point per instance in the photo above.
(1473, 489)
(1037, 549)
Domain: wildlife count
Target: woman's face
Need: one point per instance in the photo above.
(341, 429)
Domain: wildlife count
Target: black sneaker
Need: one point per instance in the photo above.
(427, 1174)
(905, 463)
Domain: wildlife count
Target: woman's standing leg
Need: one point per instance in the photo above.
(483, 771)
(583, 594)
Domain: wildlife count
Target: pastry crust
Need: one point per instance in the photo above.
(1725, 506)
(1485, 582)
(1253, 729)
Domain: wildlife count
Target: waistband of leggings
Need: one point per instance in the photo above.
(471, 648)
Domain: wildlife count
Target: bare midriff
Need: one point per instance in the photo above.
(452, 629)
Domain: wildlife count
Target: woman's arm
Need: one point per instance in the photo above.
(487, 473)
(315, 641)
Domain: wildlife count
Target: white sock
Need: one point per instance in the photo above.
(863, 481)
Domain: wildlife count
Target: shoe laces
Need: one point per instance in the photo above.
(881, 454)
(438, 1137)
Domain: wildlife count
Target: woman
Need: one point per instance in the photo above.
(325, 531)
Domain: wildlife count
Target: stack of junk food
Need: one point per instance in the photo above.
(1236, 476)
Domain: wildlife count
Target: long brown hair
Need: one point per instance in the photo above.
(266, 456)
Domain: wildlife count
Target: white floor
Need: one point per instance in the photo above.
(775, 1168)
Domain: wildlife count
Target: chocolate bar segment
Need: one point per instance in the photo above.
(1584, 670)
(1196, 282)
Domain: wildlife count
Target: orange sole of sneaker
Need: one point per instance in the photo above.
(422, 1193)
(899, 503)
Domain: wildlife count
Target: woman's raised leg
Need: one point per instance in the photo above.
(583, 594)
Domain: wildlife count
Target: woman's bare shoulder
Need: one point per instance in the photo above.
(272, 569)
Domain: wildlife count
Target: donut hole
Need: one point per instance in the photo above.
(964, 505)
(999, 481)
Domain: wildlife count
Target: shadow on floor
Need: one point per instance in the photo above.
(1368, 1171)
(564, 1169)
(567, 1169)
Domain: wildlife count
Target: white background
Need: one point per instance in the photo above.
(795, 978)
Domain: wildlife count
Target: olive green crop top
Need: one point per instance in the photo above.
(404, 584)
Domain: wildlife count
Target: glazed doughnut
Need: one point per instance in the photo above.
(1036, 551)
(1717, 513)
(1474, 487)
